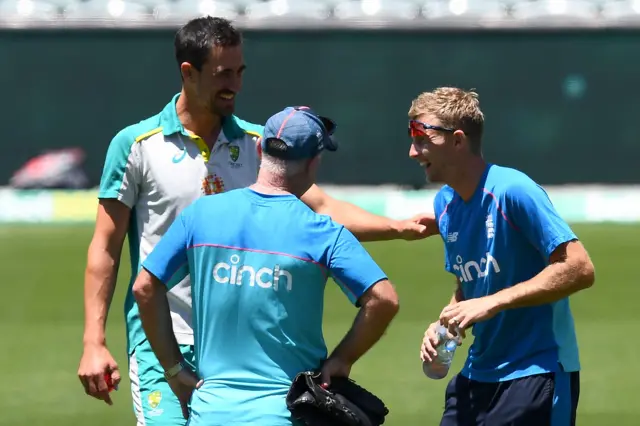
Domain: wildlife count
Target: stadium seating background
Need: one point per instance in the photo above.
(554, 98)
(259, 12)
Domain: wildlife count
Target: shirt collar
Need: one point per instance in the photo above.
(171, 123)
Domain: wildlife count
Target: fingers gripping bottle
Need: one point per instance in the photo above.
(446, 348)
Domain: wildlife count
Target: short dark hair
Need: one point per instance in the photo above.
(194, 41)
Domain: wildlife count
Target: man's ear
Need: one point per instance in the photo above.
(187, 71)
(459, 138)
(259, 147)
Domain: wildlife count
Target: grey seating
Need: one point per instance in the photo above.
(556, 12)
(466, 12)
(184, 10)
(377, 10)
(287, 10)
(620, 13)
(107, 10)
(23, 11)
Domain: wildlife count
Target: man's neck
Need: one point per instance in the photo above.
(468, 177)
(267, 183)
(198, 120)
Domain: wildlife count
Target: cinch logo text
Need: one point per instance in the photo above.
(472, 270)
(235, 274)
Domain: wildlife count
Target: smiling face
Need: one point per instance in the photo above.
(219, 80)
(433, 147)
(209, 54)
(445, 126)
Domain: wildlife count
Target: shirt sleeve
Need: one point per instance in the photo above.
(352, 267)
(121, 173)
(168, 260)
(533, 214)
(256, 137)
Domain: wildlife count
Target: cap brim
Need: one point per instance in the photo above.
(329, 124)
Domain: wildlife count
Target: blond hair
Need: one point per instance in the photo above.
(454, 108)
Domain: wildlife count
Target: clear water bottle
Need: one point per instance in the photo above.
(446, 348)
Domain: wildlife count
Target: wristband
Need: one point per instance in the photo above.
(173, 371)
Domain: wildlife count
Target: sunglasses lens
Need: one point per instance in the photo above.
(415, 129)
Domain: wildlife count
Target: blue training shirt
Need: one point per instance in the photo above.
(501, 237)
(258, 264)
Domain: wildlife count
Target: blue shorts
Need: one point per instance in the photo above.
(549, 399)
(154, 404)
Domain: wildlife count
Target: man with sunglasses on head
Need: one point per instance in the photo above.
(515, 261)
(259, 260)
(194, 147)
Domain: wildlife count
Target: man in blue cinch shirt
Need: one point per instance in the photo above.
(516, 263)
(259, 260)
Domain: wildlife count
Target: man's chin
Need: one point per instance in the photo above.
(225, 110)
(432, 178)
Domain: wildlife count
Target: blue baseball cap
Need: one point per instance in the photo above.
(297, 133)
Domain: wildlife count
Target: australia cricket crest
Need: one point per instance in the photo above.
(234, 154)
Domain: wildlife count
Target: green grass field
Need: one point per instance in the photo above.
(41, 314)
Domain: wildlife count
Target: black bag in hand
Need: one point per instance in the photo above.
(344, 403)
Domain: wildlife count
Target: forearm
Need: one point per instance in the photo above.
(155, 316)
(99, 286)
(555, 282)
(364, 225)
(369, 326)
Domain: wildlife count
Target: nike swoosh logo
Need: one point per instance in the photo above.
(179, 156)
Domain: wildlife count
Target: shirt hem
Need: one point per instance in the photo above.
(183, 338)
(490, 377)
(114, 195)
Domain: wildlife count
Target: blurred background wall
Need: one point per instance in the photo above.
(558, 87)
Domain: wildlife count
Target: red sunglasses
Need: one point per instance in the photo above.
(418, 128)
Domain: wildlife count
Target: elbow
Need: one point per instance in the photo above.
(587, 275)
(388, 307)
(141, 291)
(381, 302)
(146, 288)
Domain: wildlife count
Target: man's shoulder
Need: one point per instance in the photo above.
(138, 132)
(322, 221)
(250, 128)
(442, 198)
(317, 227)
(237, 129)
(221, 199)
(219, 209)
(505, 181)
(445, 193)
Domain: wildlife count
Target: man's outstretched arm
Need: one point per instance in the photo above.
(367, 226)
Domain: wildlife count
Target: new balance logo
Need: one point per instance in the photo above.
(472, 270)
(452, 237)
(235, 274)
